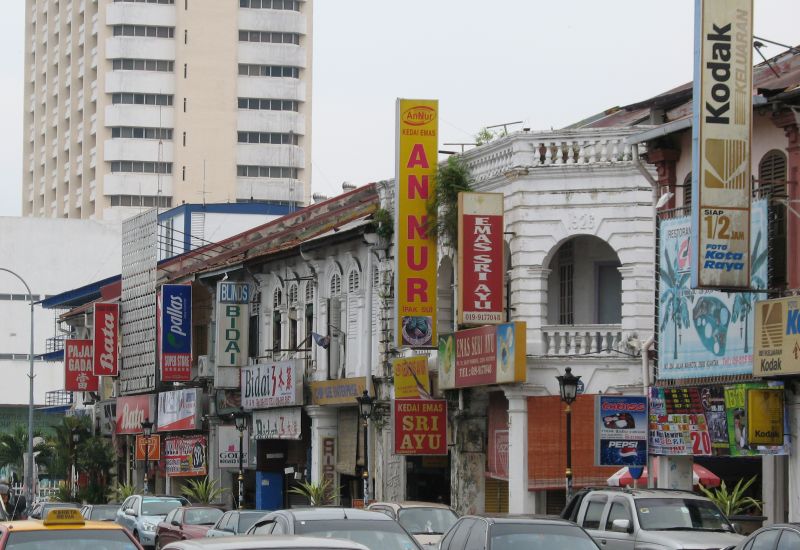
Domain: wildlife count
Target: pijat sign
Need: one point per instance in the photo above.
(233, 321)
(176, 333)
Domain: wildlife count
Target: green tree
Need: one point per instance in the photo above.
(96, 458)
(14, 445)
(60, 451)
(675, 298)
(733, 501)
(484, 136)
(452, 178)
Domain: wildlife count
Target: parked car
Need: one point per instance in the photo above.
(267, 542)
(41, 508)
(516, 533)
(426, 521)
(374, 530)
(778, 536)
(100, 512)
(235, 522)
(186, 523)
(140, 514)
(630, 519)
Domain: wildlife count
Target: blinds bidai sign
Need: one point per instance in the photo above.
(233, 322)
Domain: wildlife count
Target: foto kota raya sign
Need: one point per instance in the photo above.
(420, 426)
(777, 337)
(176, 333)
(106, 339)
(415, 254)
(233, 321)
(722, 112)
(481, 267)
(79, 366)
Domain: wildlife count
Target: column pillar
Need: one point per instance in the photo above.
(675, 472)
(665, 161)
(793, 409)
(529, 300)
(773, 488)
(520, 499)
(324, 424)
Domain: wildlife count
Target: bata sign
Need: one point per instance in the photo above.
(266, 385)
(420, 427)
(78, 366)
(106, 339)
(480, 258)
(233, 319)
(132, 411)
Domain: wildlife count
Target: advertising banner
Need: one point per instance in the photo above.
(777, 347)
(179, 410)
(132, 411)
(481, 264)
(621, 430)
(765, 416)
(149, 445)
(736, 397)
(277, 384)
(411, 377)
(176, 333)
(233, 323)
(277, 423)
(185, 455)
(106, 339)
(415, 254)
(483, 356)
(79, 366)
(229, 447)
(420, 426)
(705, 333)
(337, 392)
(677, 423)
(722, 110)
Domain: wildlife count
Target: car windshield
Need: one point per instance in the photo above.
(432, 521)
(679, 514)
(374, 534)
(74, 539)
(103, 513)
(533, 536)
(201, 516)
(247, 519)
(159, 506)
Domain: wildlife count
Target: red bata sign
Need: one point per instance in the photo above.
(132, 411)
(106, 339)
(420, 427)
(78, 375)
(481, 265)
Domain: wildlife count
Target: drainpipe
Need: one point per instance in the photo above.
(646, 363)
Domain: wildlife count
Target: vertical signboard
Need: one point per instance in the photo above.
(148, 446)
(722, 111)
(621, 430)
(411, 377)
(415, 272)
(79, 366)
(777, 339)
(765, 416)
(420, 426)
(233, 319)
(481, 266)
(229, 446)
(176, 333)
(106, 339)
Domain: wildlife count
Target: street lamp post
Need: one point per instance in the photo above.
(147, 431)
(365, 404)
(76, 438)
(241, 424)
(29, 476)
(568, 386)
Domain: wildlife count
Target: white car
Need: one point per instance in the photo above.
(426, 521)
(265, 542)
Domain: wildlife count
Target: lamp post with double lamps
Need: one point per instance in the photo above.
(365, 404)
(147, 431)
(241, 424)
(568, 387)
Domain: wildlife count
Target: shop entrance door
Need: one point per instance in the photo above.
(428, 478)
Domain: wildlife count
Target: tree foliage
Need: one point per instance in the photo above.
(14, 445)
(451, 179)
(733, 501)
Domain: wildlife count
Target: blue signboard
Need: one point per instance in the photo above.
(621, 430)
(176, 332)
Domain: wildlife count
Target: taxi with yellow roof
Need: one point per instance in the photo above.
(65, 527)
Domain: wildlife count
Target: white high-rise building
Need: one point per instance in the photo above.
(132, 104)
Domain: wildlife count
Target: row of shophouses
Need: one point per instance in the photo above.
(593, 216)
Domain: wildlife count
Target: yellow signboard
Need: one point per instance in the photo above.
(411, 377)
(765, 416)
(337, 392)
(415, 272)
(776, 350)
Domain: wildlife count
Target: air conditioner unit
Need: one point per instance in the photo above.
(205, 367)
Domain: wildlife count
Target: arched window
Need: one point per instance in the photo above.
(772, 169)
(772, 185)
(336, 284)
(353, 281)
(293, 294)
(277, 297)
(310, 292)
(687, 191)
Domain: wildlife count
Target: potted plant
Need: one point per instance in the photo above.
(735, 505)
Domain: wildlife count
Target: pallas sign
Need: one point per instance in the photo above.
(79, 366)
(106, 339)
(176, 333)
(420, 426)
(481, 266)
(415, 272)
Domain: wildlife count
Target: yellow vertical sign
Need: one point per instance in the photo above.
(765, 416)
(415, 254)
(411, 377)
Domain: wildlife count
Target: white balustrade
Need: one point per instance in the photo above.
(576, 340)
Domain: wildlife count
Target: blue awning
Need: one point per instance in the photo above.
(78, 296)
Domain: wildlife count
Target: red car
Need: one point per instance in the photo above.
(186, 522)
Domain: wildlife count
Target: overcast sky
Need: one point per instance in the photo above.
(547, 64)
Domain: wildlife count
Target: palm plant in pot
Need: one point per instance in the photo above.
(737, 505)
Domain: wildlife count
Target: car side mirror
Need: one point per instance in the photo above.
(175, 523)
(621, 526)
(229, 530)
(130, 512)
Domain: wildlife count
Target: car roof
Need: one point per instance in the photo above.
(38, 525)
(532, 520)
(334, 513)
(411, 504)
(267, 541)
(645, 492)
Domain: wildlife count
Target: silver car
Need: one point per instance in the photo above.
(140, 515)
(235, 522)
(265, 542)
(778, 536)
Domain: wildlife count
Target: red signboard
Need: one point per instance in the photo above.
(186, 455)
(132, 411)
(106, 339)
(78, 366)
(420, 426)
(151, 447)
(481, 266)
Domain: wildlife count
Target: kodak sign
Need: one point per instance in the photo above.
(420, 426)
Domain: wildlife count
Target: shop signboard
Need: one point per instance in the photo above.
(337, 392)
(274, 384)
(415, 254)
(678, 423)
(721, 131)
(79, 366)
(493, 354)
(228, 401)
(179, 410)
(132, 410)
(621, 430)
(736, 401)
(106, 339)
(777, 341)
(149, 445)
(411, 377)
(765, 416)
(185, 455)
(176, 333)
(233, 322)
(705, 333)
(420, 426)
(481, 267)
(229, 446)
(283, 423)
